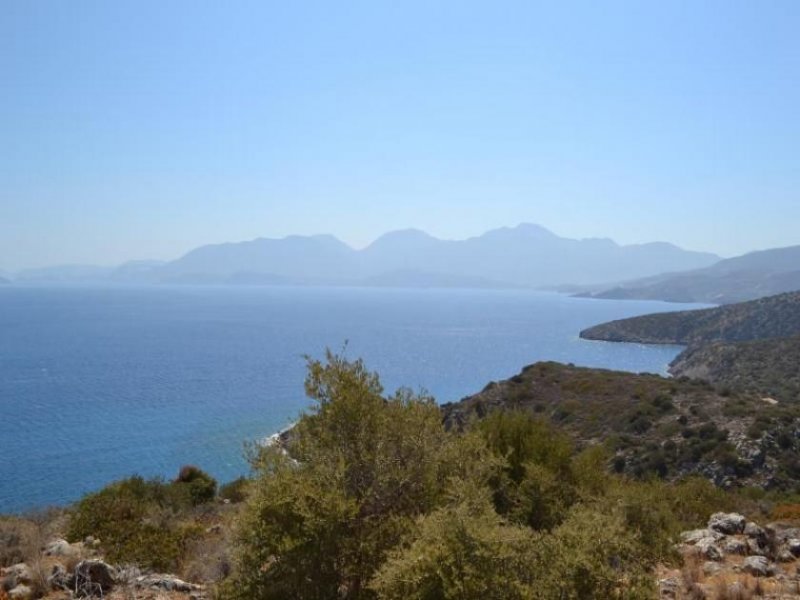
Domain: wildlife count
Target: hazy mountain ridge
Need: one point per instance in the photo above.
(523, 256)
(746, 277)
(526, 255)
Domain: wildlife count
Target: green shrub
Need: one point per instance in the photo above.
(363, 468)
(235, 491)
(199, 486)
(139, 521)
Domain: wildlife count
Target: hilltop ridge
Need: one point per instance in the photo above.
(754, 346)
(752, 275)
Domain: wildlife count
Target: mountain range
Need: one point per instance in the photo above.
(746, 277)
(523, 256)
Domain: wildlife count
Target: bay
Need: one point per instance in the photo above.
(98, 383)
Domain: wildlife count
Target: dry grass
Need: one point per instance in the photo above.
(735, 591)
(786, 512)
(692, 575)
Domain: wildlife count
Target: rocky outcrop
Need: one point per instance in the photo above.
(727, 523)
(168, 583)
(734, 558)
(67, 570)
(672, 427)
(760, 566)
(94, 577)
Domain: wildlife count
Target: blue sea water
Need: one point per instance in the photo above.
(100, 383)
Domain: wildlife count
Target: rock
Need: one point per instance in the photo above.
(758, 566)
(793, 545)
(728, 523)
(169, 583)
(59, 579)
(752, 530)
(668, 588)
(785, 556)
(61, 548)
(735, 546)
(695, 535)
(711, 568)
(755, 547)
(20, 592)
(709, 549)
(19, 573)
(93, 576)
(782, 533)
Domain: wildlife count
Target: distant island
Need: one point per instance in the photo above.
(523, 256)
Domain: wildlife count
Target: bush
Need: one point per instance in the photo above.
(139, 521)
(363, 468)
(198, 485)
(374, 499)
(235, 491)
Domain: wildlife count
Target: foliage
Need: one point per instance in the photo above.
(198, 485)
(462, 550)
(372, 498)
(235, 491)
(137, 519)
(362, 468)
(654, 426)
(467, 551)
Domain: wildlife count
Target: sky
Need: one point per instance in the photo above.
(133, 130)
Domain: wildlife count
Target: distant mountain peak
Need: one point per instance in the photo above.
(526, 255)
(403, 238)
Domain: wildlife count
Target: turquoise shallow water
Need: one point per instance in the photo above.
(100, 383)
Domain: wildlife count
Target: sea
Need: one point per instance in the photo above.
(99, 383)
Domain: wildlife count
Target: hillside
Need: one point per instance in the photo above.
(653, 425)
(738, 279)
(769, 367)
(771, 317)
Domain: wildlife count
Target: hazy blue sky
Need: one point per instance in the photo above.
(143, 129)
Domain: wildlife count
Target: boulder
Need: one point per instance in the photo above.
(695, 535)
(728, 523)
(734, 546)
(59, 579)
(785, 556)
(754, 546)
(781, 533)
(709, 549)
(168, 583)
(752, 530)
(94, 576)
(669, 588)
(18, 573)
(758, 566)
(61, 548)
(20, 592)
